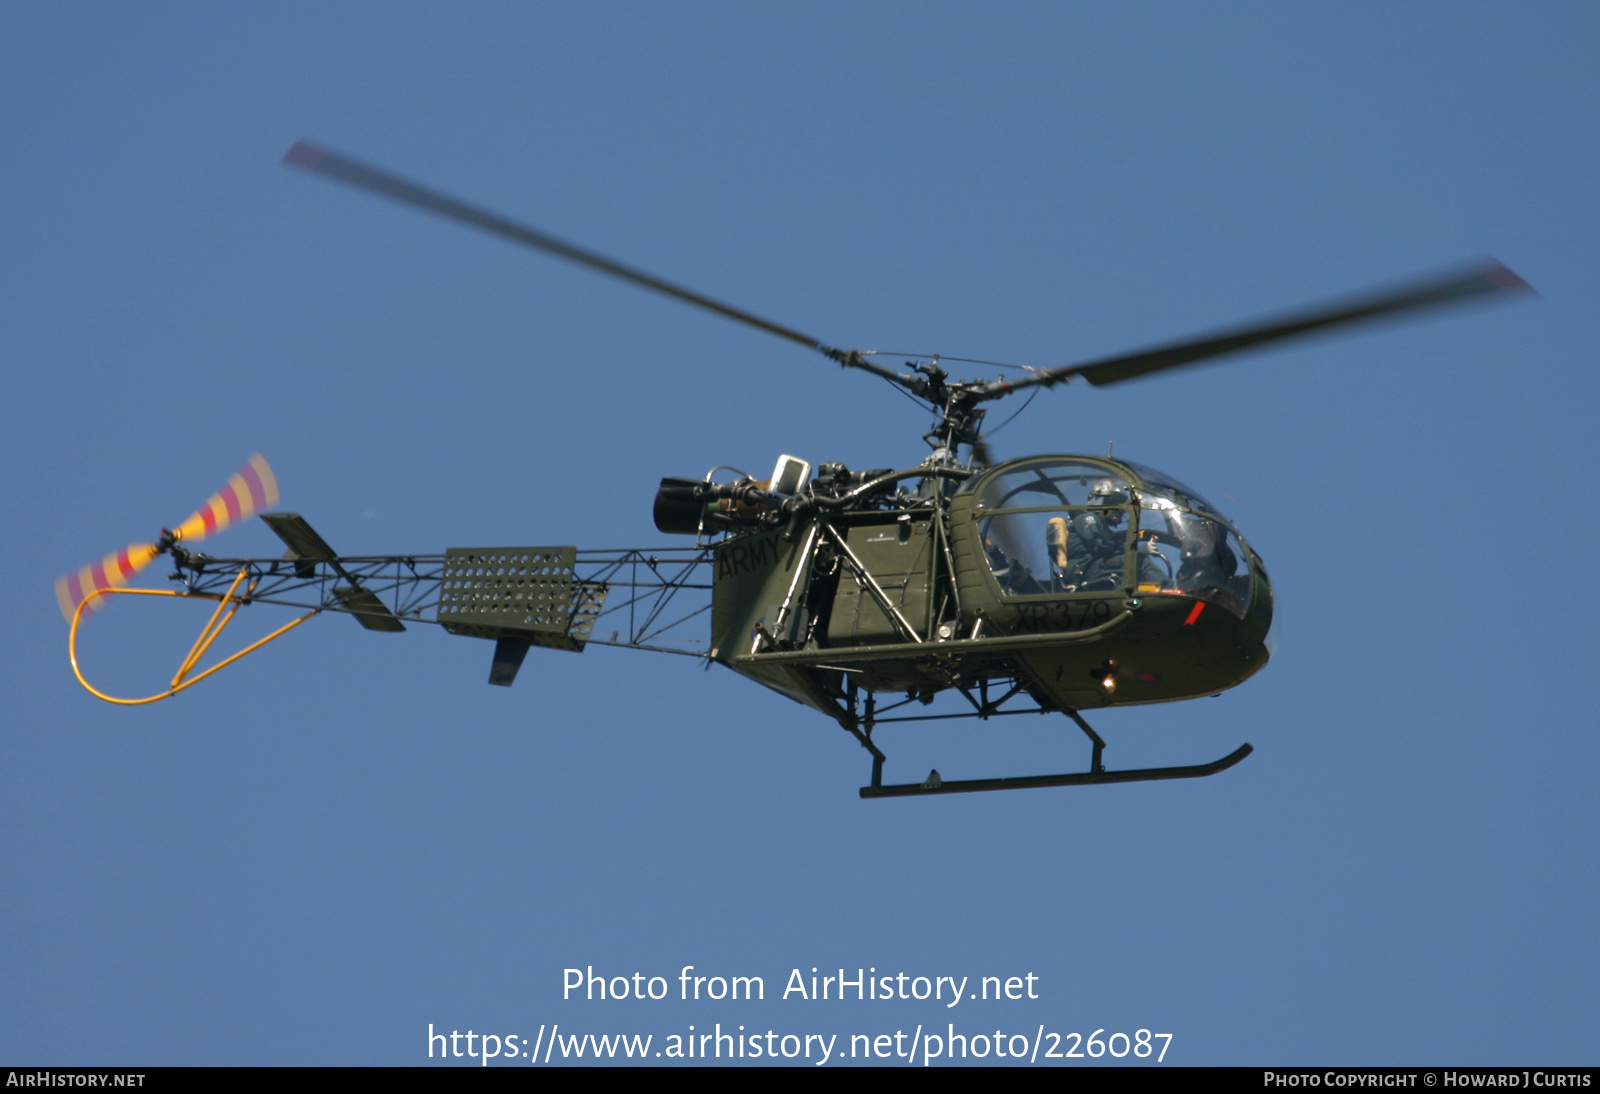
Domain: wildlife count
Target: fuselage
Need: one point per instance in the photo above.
(1086, 582)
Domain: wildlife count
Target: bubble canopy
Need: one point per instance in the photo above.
(1077, 525)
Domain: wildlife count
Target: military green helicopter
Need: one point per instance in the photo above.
(1050, 583)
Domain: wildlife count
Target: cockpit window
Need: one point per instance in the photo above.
(1057, 527)
(1068, 526)
(1182, 551)
(1061, 551)
(1063, 483)
(1163, 483)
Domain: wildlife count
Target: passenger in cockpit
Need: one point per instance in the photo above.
(999, 564)
(1012, 574)
(1207, 559)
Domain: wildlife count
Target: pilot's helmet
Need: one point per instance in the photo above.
(1106, 492)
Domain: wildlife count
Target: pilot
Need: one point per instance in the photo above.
(1096, 543)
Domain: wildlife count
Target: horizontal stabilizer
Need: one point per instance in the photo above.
(305, 546)
(368, 609)
(306, 549)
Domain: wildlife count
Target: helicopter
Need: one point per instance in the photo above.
(1054, 583)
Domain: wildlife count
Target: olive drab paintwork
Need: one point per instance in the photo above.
(752, 575)
(1155, 645)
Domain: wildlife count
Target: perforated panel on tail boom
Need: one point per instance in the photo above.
(518, 592)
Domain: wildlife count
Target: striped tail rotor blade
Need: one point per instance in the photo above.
(111, 572)
(250, 490)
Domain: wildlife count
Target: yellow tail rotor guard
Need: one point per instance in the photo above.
(228, 606)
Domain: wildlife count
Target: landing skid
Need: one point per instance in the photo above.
(935, 785)
(1096, 773)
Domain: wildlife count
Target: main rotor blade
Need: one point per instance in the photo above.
(319, 160)
(1489, 279)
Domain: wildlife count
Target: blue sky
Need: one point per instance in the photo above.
(350, 836)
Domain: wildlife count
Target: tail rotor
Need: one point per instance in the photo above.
(251, 489)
